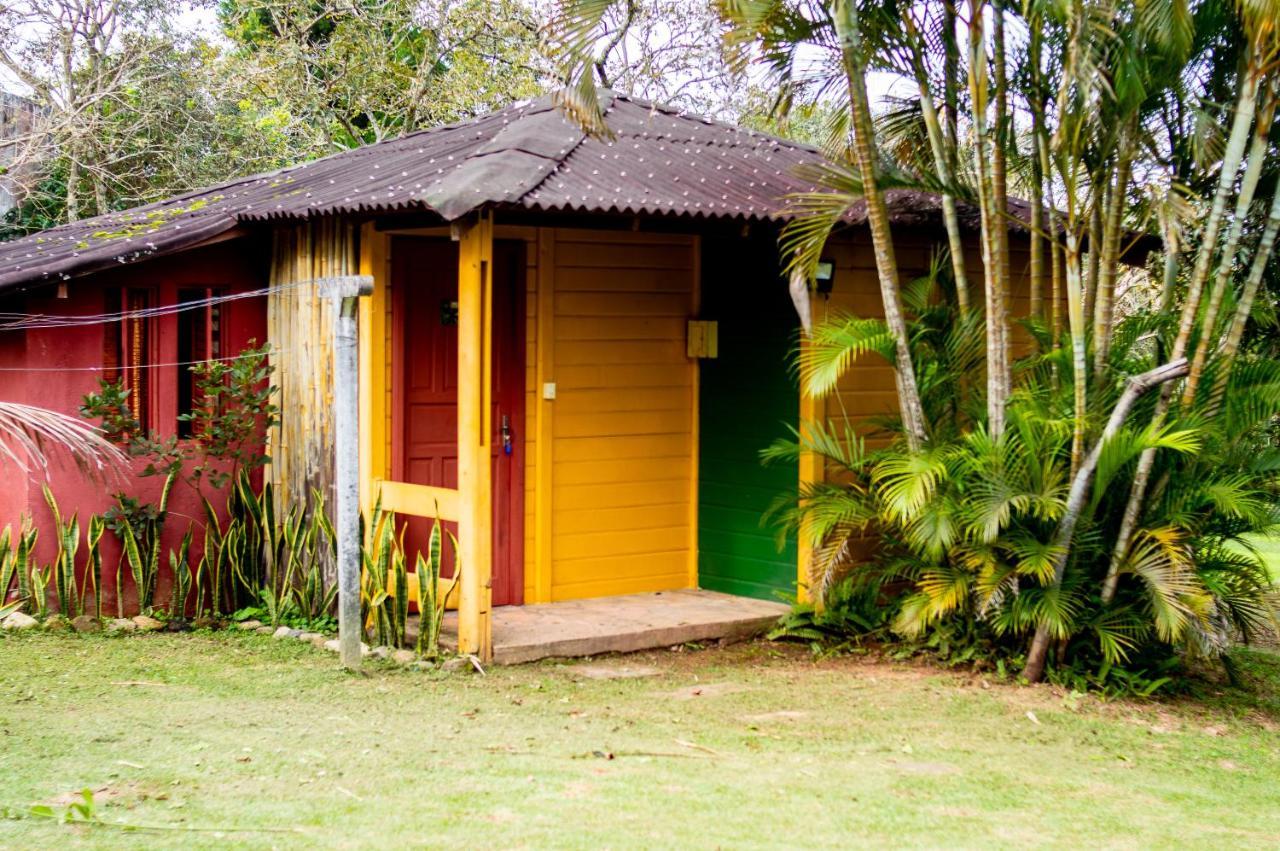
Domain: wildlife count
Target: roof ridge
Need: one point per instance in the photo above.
(560, 163)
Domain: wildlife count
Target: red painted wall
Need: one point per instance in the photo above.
(30, 364)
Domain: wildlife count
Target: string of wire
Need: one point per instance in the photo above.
(28, 321)
(128, 367)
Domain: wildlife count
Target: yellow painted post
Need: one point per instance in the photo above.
(374, 465)
(475, 509)
(695, 424)
(544, 440)
(812, 411)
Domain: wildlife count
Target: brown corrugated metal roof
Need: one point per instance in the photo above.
(660, 162)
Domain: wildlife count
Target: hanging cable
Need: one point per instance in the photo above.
(129, 367)
(39, 321)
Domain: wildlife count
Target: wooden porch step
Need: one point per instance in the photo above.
(622, 624)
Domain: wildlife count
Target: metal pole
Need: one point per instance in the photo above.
(345, 292)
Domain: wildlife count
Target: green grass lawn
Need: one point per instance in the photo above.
(751, 746)
(1269, 548)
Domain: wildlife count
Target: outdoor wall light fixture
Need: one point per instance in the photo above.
(824, 277)
(802, 290)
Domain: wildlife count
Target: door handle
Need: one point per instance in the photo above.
(506, 434)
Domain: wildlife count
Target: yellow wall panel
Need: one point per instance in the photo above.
(588, 545)
(622, 461)
(623, 519)
(628, 446)
(867, 390)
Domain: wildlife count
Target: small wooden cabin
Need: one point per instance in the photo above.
(576, 347)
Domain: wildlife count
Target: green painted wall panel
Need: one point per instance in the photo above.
(748, 400)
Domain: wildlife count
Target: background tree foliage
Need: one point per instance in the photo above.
(124, 101)
(343, 74)
(132, 106)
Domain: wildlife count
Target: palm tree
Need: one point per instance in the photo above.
(778, 27)
(1260, 54)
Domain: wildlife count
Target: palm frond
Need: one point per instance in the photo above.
(835, 344)
(1161, 559)
(29, 436)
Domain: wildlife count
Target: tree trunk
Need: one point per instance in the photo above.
(1056, 269)
(1080, 484)
(1231, 345)
(1000, 204)
(845, 16)
(992, 225)
(1231, 158)
(942, 159)
(951, 73)
(1227, 261)
(1079, 357)
(1037, 236)
(1109, 255)
(72, 195)
(1096, 206)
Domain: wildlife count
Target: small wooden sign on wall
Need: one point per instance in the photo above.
(703, 339)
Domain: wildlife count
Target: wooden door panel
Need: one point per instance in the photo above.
(424, 276)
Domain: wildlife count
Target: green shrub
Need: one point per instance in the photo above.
(967, 529)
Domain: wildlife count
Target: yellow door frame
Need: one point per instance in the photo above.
(475, 494)
(471, 503)
(812, 471)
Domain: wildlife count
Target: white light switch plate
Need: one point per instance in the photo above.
(549, 390)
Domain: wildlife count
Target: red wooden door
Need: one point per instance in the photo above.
(424, 274)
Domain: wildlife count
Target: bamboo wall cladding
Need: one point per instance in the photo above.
(300, 327)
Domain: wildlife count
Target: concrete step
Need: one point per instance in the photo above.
(621, 624)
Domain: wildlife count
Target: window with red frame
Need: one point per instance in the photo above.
(199, 339)
(128, 349)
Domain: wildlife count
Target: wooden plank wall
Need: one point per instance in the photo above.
(867, 389)
(300, 327)
(613, 504)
